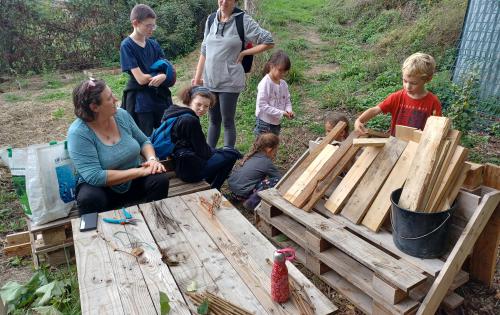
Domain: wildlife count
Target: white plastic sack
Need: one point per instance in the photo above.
(50, 182)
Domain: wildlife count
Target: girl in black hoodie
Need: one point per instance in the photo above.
(194, 159)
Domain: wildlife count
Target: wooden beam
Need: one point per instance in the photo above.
(373, 180)
(491, 177)
(293, 176)
(483, 261)
(388, 292)
(369, 142)
(378, 211)
(435, 131)
(17, 250)
(17, 238)
(351, 179)
(474, 177)
(460, 251)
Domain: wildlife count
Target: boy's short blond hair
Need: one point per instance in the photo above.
(420, 65)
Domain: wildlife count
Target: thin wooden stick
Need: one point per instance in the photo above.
(217, 304)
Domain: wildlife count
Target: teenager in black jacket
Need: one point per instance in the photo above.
(194, 159)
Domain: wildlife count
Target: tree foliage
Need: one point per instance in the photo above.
(39, 35)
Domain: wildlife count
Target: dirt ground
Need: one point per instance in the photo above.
(35, 115)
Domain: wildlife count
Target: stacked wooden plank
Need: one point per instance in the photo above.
(429, 165)
(343, 237)
(366, 267)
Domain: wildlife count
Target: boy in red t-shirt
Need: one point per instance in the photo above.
(412, 105)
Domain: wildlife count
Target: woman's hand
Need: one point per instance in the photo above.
(241, 56)
(289, 115)
(153, 167)
(157, 80)
(195, 82)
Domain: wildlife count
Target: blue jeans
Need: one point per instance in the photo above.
(191, 168)
(263, 127)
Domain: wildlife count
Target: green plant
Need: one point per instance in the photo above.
(55, 292)
(54, 96)
(58, 113)
(462, 109)
(13, 98)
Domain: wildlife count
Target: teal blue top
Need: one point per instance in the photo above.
(92, 158)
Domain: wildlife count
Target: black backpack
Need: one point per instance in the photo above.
(247, 60)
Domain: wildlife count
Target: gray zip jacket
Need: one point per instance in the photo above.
(221, 47)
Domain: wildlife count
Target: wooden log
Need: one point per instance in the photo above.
(379, 209)
(369, 142)
(413, 192)
(300, 168)
(351, 179)
(373, 180)
(460, 251)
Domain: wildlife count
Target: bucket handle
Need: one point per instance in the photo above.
(422, 236)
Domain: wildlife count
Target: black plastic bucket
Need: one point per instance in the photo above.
(419, 234)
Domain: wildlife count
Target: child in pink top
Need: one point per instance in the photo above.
(273, 97)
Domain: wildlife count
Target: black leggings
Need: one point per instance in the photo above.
(99, 199)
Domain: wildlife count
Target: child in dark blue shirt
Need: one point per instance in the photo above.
(147, 95)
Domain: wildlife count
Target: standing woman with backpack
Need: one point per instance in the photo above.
(220, 65)
(194, 159)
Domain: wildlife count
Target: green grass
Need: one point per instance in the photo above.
(13, 98)
(54, 96)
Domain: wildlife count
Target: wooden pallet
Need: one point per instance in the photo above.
(52, 242)
(183, 243)
(367, 267)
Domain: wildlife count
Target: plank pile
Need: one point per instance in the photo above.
(341, 236)
(430, 165)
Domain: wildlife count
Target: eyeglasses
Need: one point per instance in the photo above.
(150, 26)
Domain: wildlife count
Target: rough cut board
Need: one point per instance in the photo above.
(381, 206)
(456, 163)
(369, 142)
(299, 168)
(436, 129)
(247, 250)
(341, 158)
(491, 176)
(351, 179)
(307, 178)
(404, 133)
(373, 180)
(454, 138)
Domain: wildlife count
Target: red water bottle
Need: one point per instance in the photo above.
(279, 276)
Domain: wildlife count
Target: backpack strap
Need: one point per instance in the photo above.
(211, 19)
(239, 24)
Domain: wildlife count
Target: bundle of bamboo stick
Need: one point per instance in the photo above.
(216, 304)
